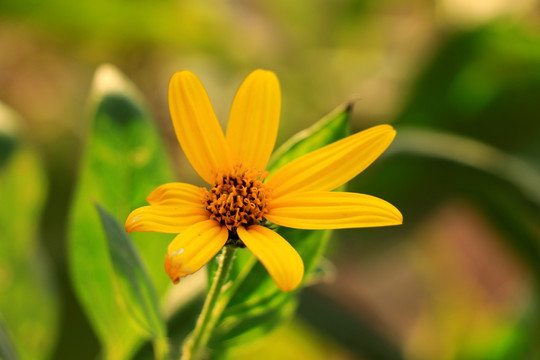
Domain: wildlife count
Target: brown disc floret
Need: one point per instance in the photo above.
(238, 198)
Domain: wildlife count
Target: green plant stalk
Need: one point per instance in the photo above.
(161, 349)
(196, 342)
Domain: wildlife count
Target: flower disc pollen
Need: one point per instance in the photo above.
(239, 198)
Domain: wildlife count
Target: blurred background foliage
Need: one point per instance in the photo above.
(460, 81)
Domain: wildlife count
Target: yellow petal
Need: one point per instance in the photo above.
(165, 218)
(333, 165)
(193, 248)
(254, 119)
(197, 127)
(276, 254)
(176, 194)
(332, 210)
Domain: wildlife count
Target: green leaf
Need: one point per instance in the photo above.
(122, 163)
(133, 282)
(254, 303)
(25, 275)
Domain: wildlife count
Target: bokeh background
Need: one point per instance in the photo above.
(460, 81)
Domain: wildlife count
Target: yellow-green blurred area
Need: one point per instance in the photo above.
(459, 80)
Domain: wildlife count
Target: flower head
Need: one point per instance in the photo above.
(241, 196)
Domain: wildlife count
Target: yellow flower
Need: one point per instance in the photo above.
(241, 195)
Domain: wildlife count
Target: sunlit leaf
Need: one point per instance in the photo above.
(122, 163)
(30, 321)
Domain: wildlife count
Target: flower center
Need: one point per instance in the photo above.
(239, 198)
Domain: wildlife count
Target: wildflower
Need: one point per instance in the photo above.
(242, 197)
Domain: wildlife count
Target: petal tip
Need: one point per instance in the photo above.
(262, 74)
(395, 215)
(292, 283)
(289, 287)
(388, 129)
(384, 131)
(173, 269)
(130, 224)
(182, 74)
(179, 79)
(399, 217)
(262, 71)
(386, 134)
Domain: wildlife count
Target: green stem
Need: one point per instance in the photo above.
(161, 349)
(198, 339)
